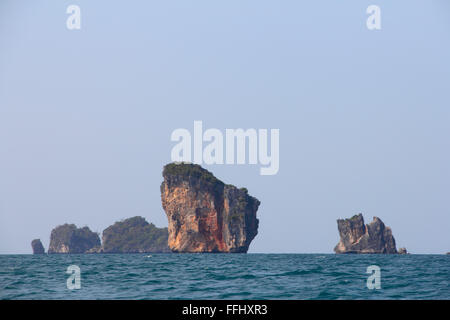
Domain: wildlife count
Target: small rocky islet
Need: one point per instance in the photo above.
(204, 215)
(132, 235)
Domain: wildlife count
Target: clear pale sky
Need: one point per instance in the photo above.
(364, 116)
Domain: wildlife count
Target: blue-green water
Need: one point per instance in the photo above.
(225, 276)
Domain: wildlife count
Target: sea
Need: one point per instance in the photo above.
(224, 276)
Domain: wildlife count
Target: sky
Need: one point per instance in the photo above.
(86, 115)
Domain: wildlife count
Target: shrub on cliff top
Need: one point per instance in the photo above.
(190, 170)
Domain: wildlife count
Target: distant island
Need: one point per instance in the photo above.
(37, 247)
(204, 215)
(357, 237)
(134, 235)
(68, 238)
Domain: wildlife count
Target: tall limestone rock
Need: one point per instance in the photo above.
(204, 214)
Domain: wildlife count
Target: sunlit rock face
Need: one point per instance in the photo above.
(356, 237)
(204, 214)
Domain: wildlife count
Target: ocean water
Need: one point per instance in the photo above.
(224, 276)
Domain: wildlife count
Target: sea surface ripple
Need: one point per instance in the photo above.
(224, 276)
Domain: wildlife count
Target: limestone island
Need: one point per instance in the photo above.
(357, 237)
(134, 235)
(204, 214)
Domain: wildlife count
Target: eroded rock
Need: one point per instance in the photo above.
(356, 237)
(134, 235)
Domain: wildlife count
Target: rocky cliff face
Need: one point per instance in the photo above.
(206, 215)
(356, 237)
(134, 235)
(37, 246)
(70, 239)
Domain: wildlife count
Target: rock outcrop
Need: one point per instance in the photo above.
(37, 246)
(356, 237)
(70, 239)
(96, 249)
(402, 251)
(134, 235)
(204, 214)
